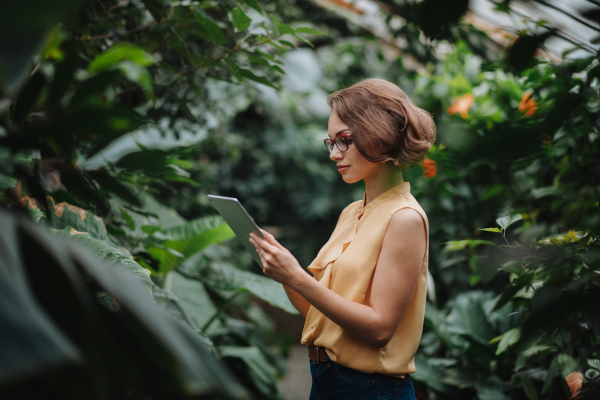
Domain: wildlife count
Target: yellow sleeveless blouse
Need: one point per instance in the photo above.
(345, 265)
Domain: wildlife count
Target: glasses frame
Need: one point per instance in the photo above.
(345, 138)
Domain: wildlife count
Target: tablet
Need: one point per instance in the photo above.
(238, 220)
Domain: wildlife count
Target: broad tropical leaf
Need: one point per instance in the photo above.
(119, 258)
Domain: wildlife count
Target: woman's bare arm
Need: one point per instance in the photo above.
(299, 302)
(394, 281)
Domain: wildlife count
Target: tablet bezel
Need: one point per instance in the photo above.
(231, 221)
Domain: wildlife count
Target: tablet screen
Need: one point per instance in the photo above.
(238, 220)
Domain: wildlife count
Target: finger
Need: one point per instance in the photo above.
(271, 239)
(264, 244)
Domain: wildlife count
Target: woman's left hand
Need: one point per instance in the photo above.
(278, 263)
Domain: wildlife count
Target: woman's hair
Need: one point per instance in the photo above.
(385, 124)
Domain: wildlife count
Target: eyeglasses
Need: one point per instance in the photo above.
(341, 141)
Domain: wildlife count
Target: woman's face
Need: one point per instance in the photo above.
(351, 164)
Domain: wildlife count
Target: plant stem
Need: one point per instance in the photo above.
(220, 310)
(522, 267)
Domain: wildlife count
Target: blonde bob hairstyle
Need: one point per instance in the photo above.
(386, 125)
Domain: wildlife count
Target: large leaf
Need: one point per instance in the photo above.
(428, 374)
(188, 239)
(226, 277)
(505, 222)
(117, 53)
(129, 348)
(30, 343)
(255, 368)
(24, 27)
(193, 300)
(65, 215)
(469, 318)
(508, 339)
(119, 258)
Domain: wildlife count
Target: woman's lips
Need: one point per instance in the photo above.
(342, 168)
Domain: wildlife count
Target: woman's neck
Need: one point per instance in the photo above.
(380, 182)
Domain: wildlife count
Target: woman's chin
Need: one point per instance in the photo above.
(350, 179)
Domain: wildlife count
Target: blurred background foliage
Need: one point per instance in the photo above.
(118, 280)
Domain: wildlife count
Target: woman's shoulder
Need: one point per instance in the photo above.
(407, 200)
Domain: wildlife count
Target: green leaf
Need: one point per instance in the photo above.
(594, 363)
(138, 74)
(150, 229)
(462, 378)
(254, 4)
(269, 57)
(117, 53)
(36, 214)
(185, 164)
(277, 22)
(592, 374)
(428, 374)
(128, 220)
(490, 229)
(308, 42)
(151, 161)
(505, 222)
(156, 9)
(309, 31)
(246, 73)
(118, 258)
(113, 185)
(285, 29)
(226, 277)
(188, 239)
(508, 339)
(469, 318)
(240, 19)
(537, 349)
(28, 96)
(29, 336)
(65, 215)
(193, 300)
(289, 44)
(258, 370)
(461, 244)
(214, 30)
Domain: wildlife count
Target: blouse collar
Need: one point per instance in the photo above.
(382, 198)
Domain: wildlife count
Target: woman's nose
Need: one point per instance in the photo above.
(336, 154)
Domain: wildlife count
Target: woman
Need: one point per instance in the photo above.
(365, 304)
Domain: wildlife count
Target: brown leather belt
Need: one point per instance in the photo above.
(317, 353)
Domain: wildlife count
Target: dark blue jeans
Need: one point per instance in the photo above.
(331, 381)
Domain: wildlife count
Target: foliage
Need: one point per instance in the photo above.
(107, 70)
(134, 111)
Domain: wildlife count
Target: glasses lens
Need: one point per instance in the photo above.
(342, 143)
(329, 144)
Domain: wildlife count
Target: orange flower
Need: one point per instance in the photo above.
(528, 105)
(429, 168)
(574, 380)
(461, 105)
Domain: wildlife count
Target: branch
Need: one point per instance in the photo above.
(559, 33)
(568, 15)
(236, 48)
(119, 5)
(109, 35)
(170, 35)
